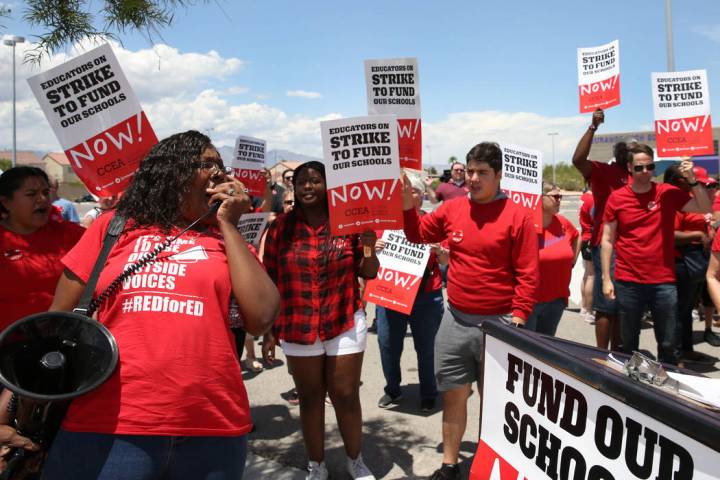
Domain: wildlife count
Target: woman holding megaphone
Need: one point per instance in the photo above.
(176, 406)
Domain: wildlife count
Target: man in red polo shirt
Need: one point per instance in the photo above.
(492, 277)
(604, 178)
(453, 188)
(639, 224)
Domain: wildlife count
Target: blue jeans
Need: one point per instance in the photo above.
(545, 316)
(424, 322)
(600, 302)
(661, 298)
(86, 456)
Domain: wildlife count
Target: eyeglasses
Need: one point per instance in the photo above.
(711, 185)
(461, 170)
(556, 196)
(289, 202)
(644, 168)
(289, 178)
(213, 168)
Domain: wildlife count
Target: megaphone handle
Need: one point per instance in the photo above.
(15, 460)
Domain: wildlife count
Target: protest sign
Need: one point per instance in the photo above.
(681, 102)
(249, 163)
(252, 226)
(402, 265)
(538, 422)
(96, 118)
(393, 88)
(522, 179)
(599, 76)
(363, 175)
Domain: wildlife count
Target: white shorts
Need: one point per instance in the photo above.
(348, 342)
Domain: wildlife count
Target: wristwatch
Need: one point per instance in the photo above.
(693, 184)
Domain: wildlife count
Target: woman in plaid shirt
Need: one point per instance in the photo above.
(321, 327)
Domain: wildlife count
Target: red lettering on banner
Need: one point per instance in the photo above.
(410, 143)
(254, 180)
(530, 201)
(375, 205)
(684, 136)
(392, 289)
(488, 465)
(602, 94)
(106, 162)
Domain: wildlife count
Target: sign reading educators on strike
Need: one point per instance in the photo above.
(681, 102)
(252, 226)
(402, 265)
(522, 179)
(249, 163)
(599, 76)
(96, 118)
(393, 88)
(539, 423)
(363, 175)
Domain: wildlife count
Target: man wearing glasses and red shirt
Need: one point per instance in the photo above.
(639, 223)
(453, 188)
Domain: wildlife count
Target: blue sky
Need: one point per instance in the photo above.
(488, 70)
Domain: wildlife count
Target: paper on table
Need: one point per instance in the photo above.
(702, 389)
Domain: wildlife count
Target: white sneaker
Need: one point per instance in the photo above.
(316, 471)
(358, 470)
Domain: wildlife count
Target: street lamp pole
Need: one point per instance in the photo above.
(552, 139)
(11, 42)
(669, 36)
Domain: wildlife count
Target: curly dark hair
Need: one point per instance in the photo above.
(13, 178)
(159, 187)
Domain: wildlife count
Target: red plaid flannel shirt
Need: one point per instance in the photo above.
(319, 291)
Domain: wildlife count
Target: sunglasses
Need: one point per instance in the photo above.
(556, 196)
(289, 202)
(289, 178)
(459, 170)
(644, 168)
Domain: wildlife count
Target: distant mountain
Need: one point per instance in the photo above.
(272, 157)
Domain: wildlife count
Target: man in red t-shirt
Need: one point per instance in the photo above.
(492, 277)
(639, 224)
(604, 178)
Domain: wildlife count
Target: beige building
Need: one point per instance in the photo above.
(279, 168)
(58, 166)
(603, 143)
(23, 158)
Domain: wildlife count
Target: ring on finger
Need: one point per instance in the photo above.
(231, 192)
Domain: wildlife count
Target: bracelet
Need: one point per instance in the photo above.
(694, 184)
(592, 127)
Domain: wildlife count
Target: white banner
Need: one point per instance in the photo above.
(522, 178)
(363, 173)
(599, 76)
(393, 87)
(538, 423)
(252, 226)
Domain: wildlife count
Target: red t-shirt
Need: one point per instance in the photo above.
(178, 372)
(493, 254)
(690, 222)
(716, 203)
(30, 268)
(448, 190)
(556, 259)
(645, 242)
(716, 244)
(586, 219)
(605, 178)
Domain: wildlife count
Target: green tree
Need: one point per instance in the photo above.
(5, 163)
(432, 171)
(65, 22)
(452, 160)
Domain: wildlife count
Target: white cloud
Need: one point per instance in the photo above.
(302, 94)
(711, 32)
(457, 133)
